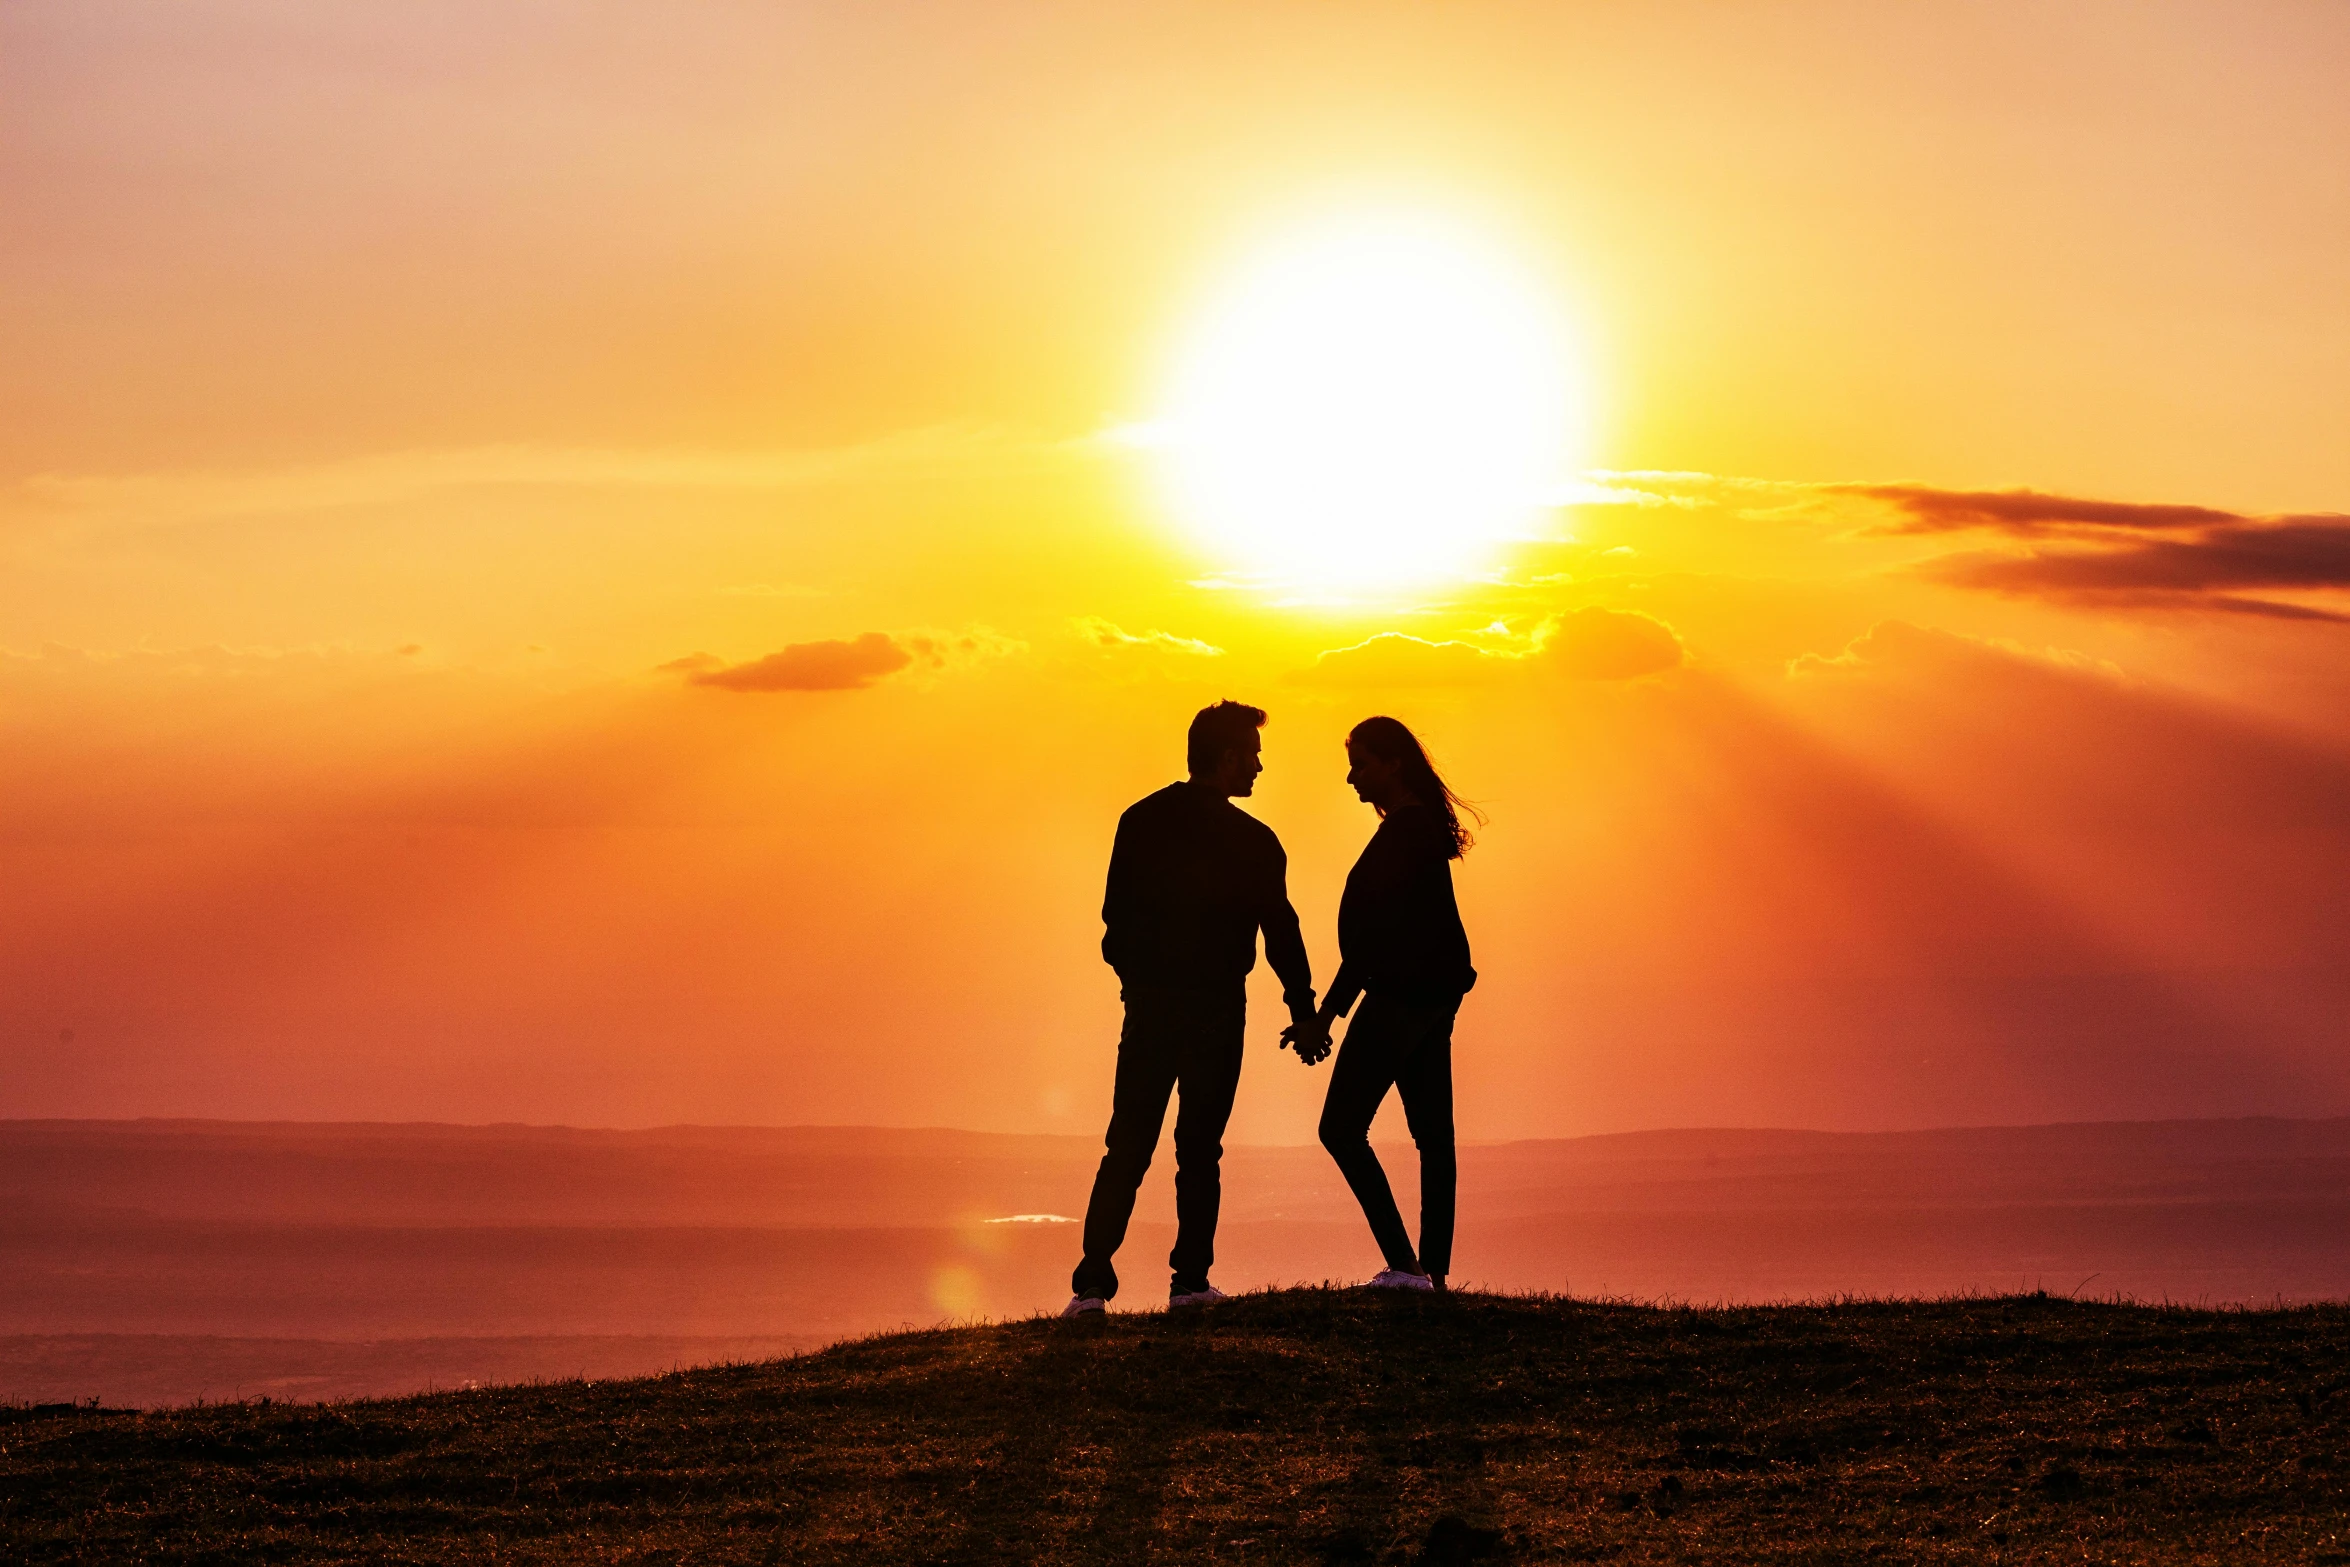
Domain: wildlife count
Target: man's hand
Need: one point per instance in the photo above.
(1309, 1036)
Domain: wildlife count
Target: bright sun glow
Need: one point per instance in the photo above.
(1375, 403)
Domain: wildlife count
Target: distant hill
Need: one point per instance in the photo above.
(152, 1262)
(850, 1177)
(1308, 1427)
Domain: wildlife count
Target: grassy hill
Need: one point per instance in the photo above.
(1300, 1426)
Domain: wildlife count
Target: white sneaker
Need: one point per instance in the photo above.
(1206, 1297)
(1084, 1306)
(1397, 1279)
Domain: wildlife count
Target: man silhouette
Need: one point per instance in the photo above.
(1193, 878)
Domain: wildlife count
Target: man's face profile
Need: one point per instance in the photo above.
(1237, 775)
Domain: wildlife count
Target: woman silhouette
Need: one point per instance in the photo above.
(1401, 948)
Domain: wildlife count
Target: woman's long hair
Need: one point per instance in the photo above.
(1388, 740)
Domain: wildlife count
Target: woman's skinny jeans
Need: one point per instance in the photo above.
(1395, 1043)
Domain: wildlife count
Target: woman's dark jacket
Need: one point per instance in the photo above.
(1399, 930)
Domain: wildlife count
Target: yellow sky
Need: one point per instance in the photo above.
(409, 418)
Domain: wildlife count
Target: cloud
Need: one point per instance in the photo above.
(1897, 644)
(1394, 659)
(1608, 644)
(1104, 634)
(839, 665)
(1920, 508)
(1581, 644)
(1674, 487)
(944, 649)
(1925, 509)
(2152, 556)
(2127, 554)
(844, 664)
(1596, 490)
(2212, 572)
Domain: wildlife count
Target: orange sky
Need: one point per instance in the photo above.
(442, 451)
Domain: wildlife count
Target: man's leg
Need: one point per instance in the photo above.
(1425, 1086)
(1138, 1108)
(1210, 1054)
(1364, 1072)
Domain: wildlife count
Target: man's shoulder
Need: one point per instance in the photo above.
(1160, 811)
(1247, 828)
(1159, 802)
(1198, 811)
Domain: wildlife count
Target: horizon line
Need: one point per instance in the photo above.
(12, 1123)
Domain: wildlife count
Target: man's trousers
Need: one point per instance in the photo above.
(1175, 1041)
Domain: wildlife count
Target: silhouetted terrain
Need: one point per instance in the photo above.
(155, 1262)
(1311, 1426)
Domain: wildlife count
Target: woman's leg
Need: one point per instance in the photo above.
(1425, 1085)
(1364, 1073)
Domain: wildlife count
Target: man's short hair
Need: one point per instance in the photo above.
(1227, 726)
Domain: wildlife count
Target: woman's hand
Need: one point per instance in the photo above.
(1309, 1036)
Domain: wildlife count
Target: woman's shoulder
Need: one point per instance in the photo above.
(1420, 829)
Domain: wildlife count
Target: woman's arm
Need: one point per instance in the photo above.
(1345, 986)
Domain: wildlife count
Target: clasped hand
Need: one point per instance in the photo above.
(1309, 1036)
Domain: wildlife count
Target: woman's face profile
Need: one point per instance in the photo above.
(1373, 776)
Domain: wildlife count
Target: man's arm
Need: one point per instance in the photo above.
(1285, 943)
(1118, 898)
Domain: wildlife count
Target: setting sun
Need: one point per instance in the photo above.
(1373, 403)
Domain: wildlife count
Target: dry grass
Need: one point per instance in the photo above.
(1302, 1426)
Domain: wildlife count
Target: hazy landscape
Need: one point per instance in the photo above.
(160, 1262)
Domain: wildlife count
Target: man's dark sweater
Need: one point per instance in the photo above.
(1193, 878)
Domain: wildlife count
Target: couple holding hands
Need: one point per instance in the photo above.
(1193, 879)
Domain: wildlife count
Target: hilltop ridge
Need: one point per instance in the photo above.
(1297, 1426)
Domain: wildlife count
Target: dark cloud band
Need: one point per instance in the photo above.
(2125, 554)
(1927, 510)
